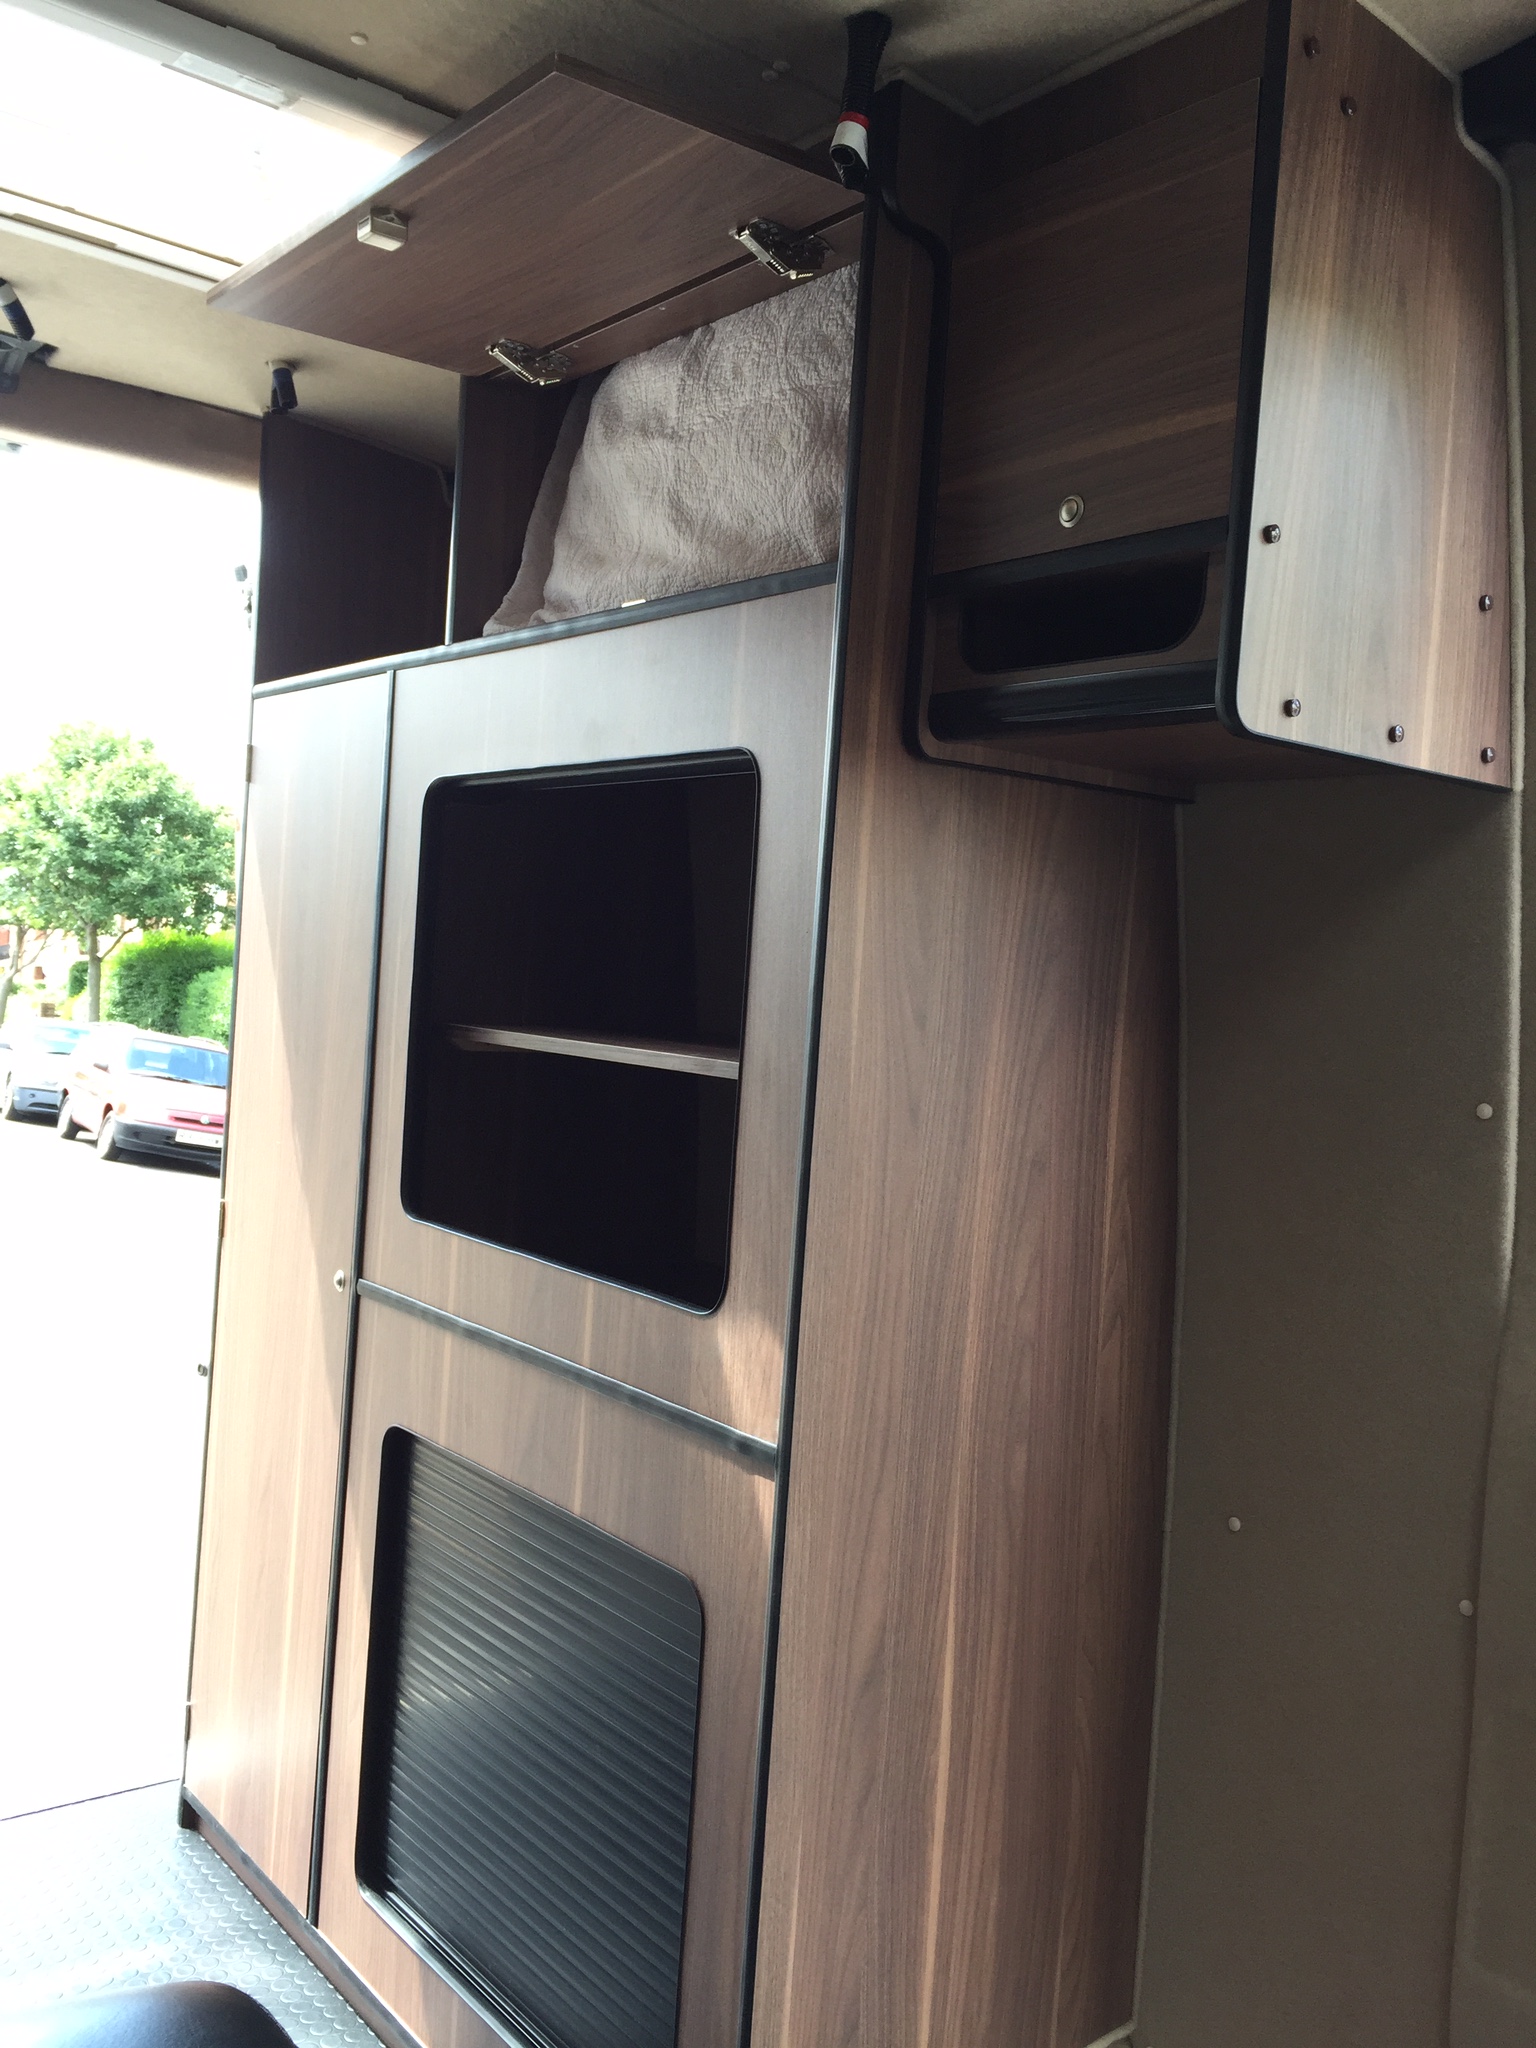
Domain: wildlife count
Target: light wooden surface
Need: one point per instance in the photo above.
(1094, 342)
(1382, 452)
(568, 211)
(756, 676)
(295, 1116)
(960, 1738)
(652, 1484)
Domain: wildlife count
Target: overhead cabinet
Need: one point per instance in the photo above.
(1223, 484)
(570, 214)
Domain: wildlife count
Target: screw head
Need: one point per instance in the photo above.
(1311, 47)
(1070, 510)
(1347, 106)
(1269, 533)
(1292, 707)
(1234, 1523)
(339, 1282)
(1485, 602)
(1395, 733)
(1466, 1609)
(1484, 1112)
(1489, 754)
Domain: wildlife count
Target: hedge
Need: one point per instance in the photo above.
(205, 1006)
(147, 983)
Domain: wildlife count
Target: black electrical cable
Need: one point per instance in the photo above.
(868, 34)
(937, 251)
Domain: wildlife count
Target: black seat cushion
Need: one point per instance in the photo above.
(157, 2016)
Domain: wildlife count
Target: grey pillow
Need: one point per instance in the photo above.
(714, 458)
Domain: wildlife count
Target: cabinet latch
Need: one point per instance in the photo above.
(533, 365)
(787, 252)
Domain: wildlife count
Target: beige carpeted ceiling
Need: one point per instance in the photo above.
(711, 54)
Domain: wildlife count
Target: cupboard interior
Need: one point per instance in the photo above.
(576, 1021)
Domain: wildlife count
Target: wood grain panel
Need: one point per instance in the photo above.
(754, 675)
(958, 1773)
(1095, 338)
(279, 1358)
(354, 551)
(1197, 64)
(563, 160)
(507, 433)
(648, 1482)
(1382, 451)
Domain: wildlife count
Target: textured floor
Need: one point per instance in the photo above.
(112, 1893)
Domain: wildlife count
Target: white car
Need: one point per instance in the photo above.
(35, 1066)
(139, 1092)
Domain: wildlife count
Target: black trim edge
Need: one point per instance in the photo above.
(1150, 696)
(842, 614)
(1250, 376)
(753, 1451)
(721, 594)
(349, 1355)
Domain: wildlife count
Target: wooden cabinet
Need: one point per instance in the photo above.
(298, 1102)
(1223, 484)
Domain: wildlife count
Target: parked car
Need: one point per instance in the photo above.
(147, 1092)
(35, 1062)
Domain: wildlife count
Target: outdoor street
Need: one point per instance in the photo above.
(108, 1289)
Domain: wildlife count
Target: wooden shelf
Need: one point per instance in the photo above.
(717, 1061)
(567, 211)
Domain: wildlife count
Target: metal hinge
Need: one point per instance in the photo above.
(533, 365)
(787, 252)
(250, 764)
(223, 1206)
(186, 1727)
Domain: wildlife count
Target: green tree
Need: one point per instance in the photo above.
(105, 839)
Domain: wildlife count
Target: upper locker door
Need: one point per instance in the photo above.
(297, 1105)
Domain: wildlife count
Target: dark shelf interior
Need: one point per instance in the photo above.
(1090, 615)
(599, 904)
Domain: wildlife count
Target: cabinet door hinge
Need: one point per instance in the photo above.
(250, 763)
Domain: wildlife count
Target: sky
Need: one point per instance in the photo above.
(119, 606)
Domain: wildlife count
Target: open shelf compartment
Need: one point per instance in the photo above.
(577, 1014)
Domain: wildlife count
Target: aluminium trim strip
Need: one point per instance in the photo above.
(718, 595)
(754, 1451)
(719, 1062)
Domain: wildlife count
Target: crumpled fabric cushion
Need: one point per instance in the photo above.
(712, 459)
